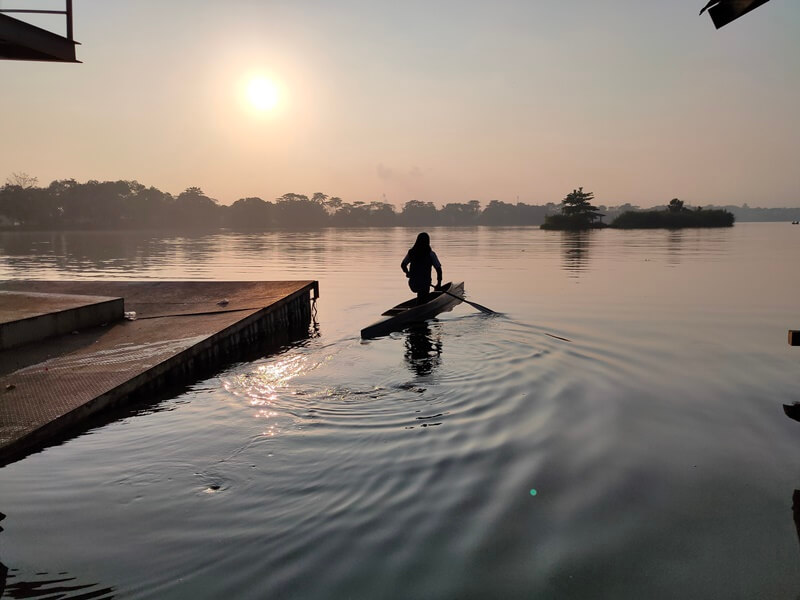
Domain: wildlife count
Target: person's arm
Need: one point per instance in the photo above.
(438, 266)
(404, 265)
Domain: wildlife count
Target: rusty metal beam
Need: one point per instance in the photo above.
(723, 12)
(22, 41)
(69, 21)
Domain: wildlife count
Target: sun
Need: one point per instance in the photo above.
(262, 94)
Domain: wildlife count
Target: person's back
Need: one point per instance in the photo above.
(417, 266)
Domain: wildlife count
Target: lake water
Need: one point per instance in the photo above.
(473, 457)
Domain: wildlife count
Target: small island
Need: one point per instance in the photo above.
(578, 213)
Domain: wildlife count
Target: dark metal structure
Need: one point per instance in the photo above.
(723, 12)
(22, 41)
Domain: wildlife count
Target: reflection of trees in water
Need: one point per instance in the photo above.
(139, 253)
(306, 248)
(675, 239)
(575, 247)
(195, 250)
(796, 511)
(697, 243)
(3, 568)
(131, 253)
(84, 251)
(674, 247)
(423, 349)
(45, 585)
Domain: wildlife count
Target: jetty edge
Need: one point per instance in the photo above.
(50, 388)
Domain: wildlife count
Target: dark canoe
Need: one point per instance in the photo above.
(408, 312)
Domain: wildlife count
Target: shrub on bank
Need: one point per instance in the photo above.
(666, 219)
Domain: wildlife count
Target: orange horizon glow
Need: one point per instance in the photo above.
(523, 104)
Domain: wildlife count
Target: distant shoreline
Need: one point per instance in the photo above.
(198, 227)
(214, 230)
(67, 205)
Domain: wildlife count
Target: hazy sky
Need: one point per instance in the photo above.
(637, 101)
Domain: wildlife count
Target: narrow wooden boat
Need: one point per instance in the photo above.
(402, 315)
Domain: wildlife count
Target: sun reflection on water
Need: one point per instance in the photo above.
(261, 388)
(268, 388)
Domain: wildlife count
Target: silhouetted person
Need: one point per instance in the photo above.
(417, 266)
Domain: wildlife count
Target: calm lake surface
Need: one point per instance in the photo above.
(404, 467)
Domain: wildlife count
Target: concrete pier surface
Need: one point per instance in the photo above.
(27, 317)
(182, 330)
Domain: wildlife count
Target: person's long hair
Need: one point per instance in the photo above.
(422, 247)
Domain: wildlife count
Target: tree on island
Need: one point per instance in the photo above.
(579, 203)
(577, 212)
(676, 216)
(675, 205)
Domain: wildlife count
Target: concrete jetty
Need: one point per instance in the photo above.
(52, 381)
(29, 317)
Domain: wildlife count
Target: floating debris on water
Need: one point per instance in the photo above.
(558, 337)
(431, 417)
(410, 387)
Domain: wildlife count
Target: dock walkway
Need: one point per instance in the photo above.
(182, 330)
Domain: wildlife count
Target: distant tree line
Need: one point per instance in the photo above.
(68, 204)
